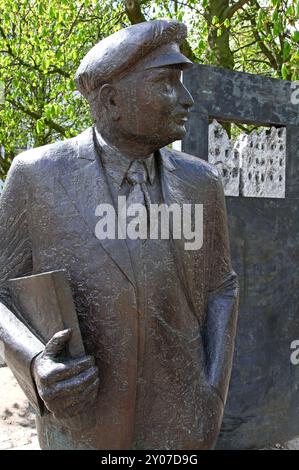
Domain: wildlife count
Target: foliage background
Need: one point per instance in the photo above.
(42, 43)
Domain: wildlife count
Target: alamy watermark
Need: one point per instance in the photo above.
(294, 358)
(295, 93)
(161, 222)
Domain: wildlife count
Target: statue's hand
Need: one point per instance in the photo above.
(67, 387)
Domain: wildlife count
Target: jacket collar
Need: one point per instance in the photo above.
(87, 150)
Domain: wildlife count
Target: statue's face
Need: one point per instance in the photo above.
(153, 106)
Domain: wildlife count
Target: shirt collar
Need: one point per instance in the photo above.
(117, 164)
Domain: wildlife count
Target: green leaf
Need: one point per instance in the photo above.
(290, 11)
(180, 15)
(260, 17)
(278, 27)
(59, 53)
(41, 8)
(286, 50)
(295, 36)
(48, 113)
(39, 127)
(284, 71)
(52, 12)
(6, 17)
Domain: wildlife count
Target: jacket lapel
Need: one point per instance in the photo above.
(86, 187)
(176, 190)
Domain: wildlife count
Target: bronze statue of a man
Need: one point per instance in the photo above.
(158, 321)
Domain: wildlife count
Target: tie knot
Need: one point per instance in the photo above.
(137, 173)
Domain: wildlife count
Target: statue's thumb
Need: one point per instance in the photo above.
(57, 343)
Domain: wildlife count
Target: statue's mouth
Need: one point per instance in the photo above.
(182, 118)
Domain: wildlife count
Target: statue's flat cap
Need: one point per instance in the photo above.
(156, 43)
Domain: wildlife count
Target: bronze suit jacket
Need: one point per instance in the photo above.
(47, 222)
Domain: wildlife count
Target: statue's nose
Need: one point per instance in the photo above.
(186, 99)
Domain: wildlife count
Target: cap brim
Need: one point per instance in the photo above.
(169, 59)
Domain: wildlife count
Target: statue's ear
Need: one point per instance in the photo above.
(109, 100)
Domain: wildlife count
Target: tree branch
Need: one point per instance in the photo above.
(73, 24)
(244, 46)
(134, 12)
(35, 115)
(267, 52)
(10, 52)
(229, 13)
(264, 48)
(58, 70)
(34, 66)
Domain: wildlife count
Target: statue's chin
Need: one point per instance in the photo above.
(155, 141)
(179, 133)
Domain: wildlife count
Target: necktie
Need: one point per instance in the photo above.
(137, 177)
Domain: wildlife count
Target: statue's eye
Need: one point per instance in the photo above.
(167, 86)
(164, 84)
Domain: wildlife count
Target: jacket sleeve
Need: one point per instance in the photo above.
(222, 311)
(20, 345)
